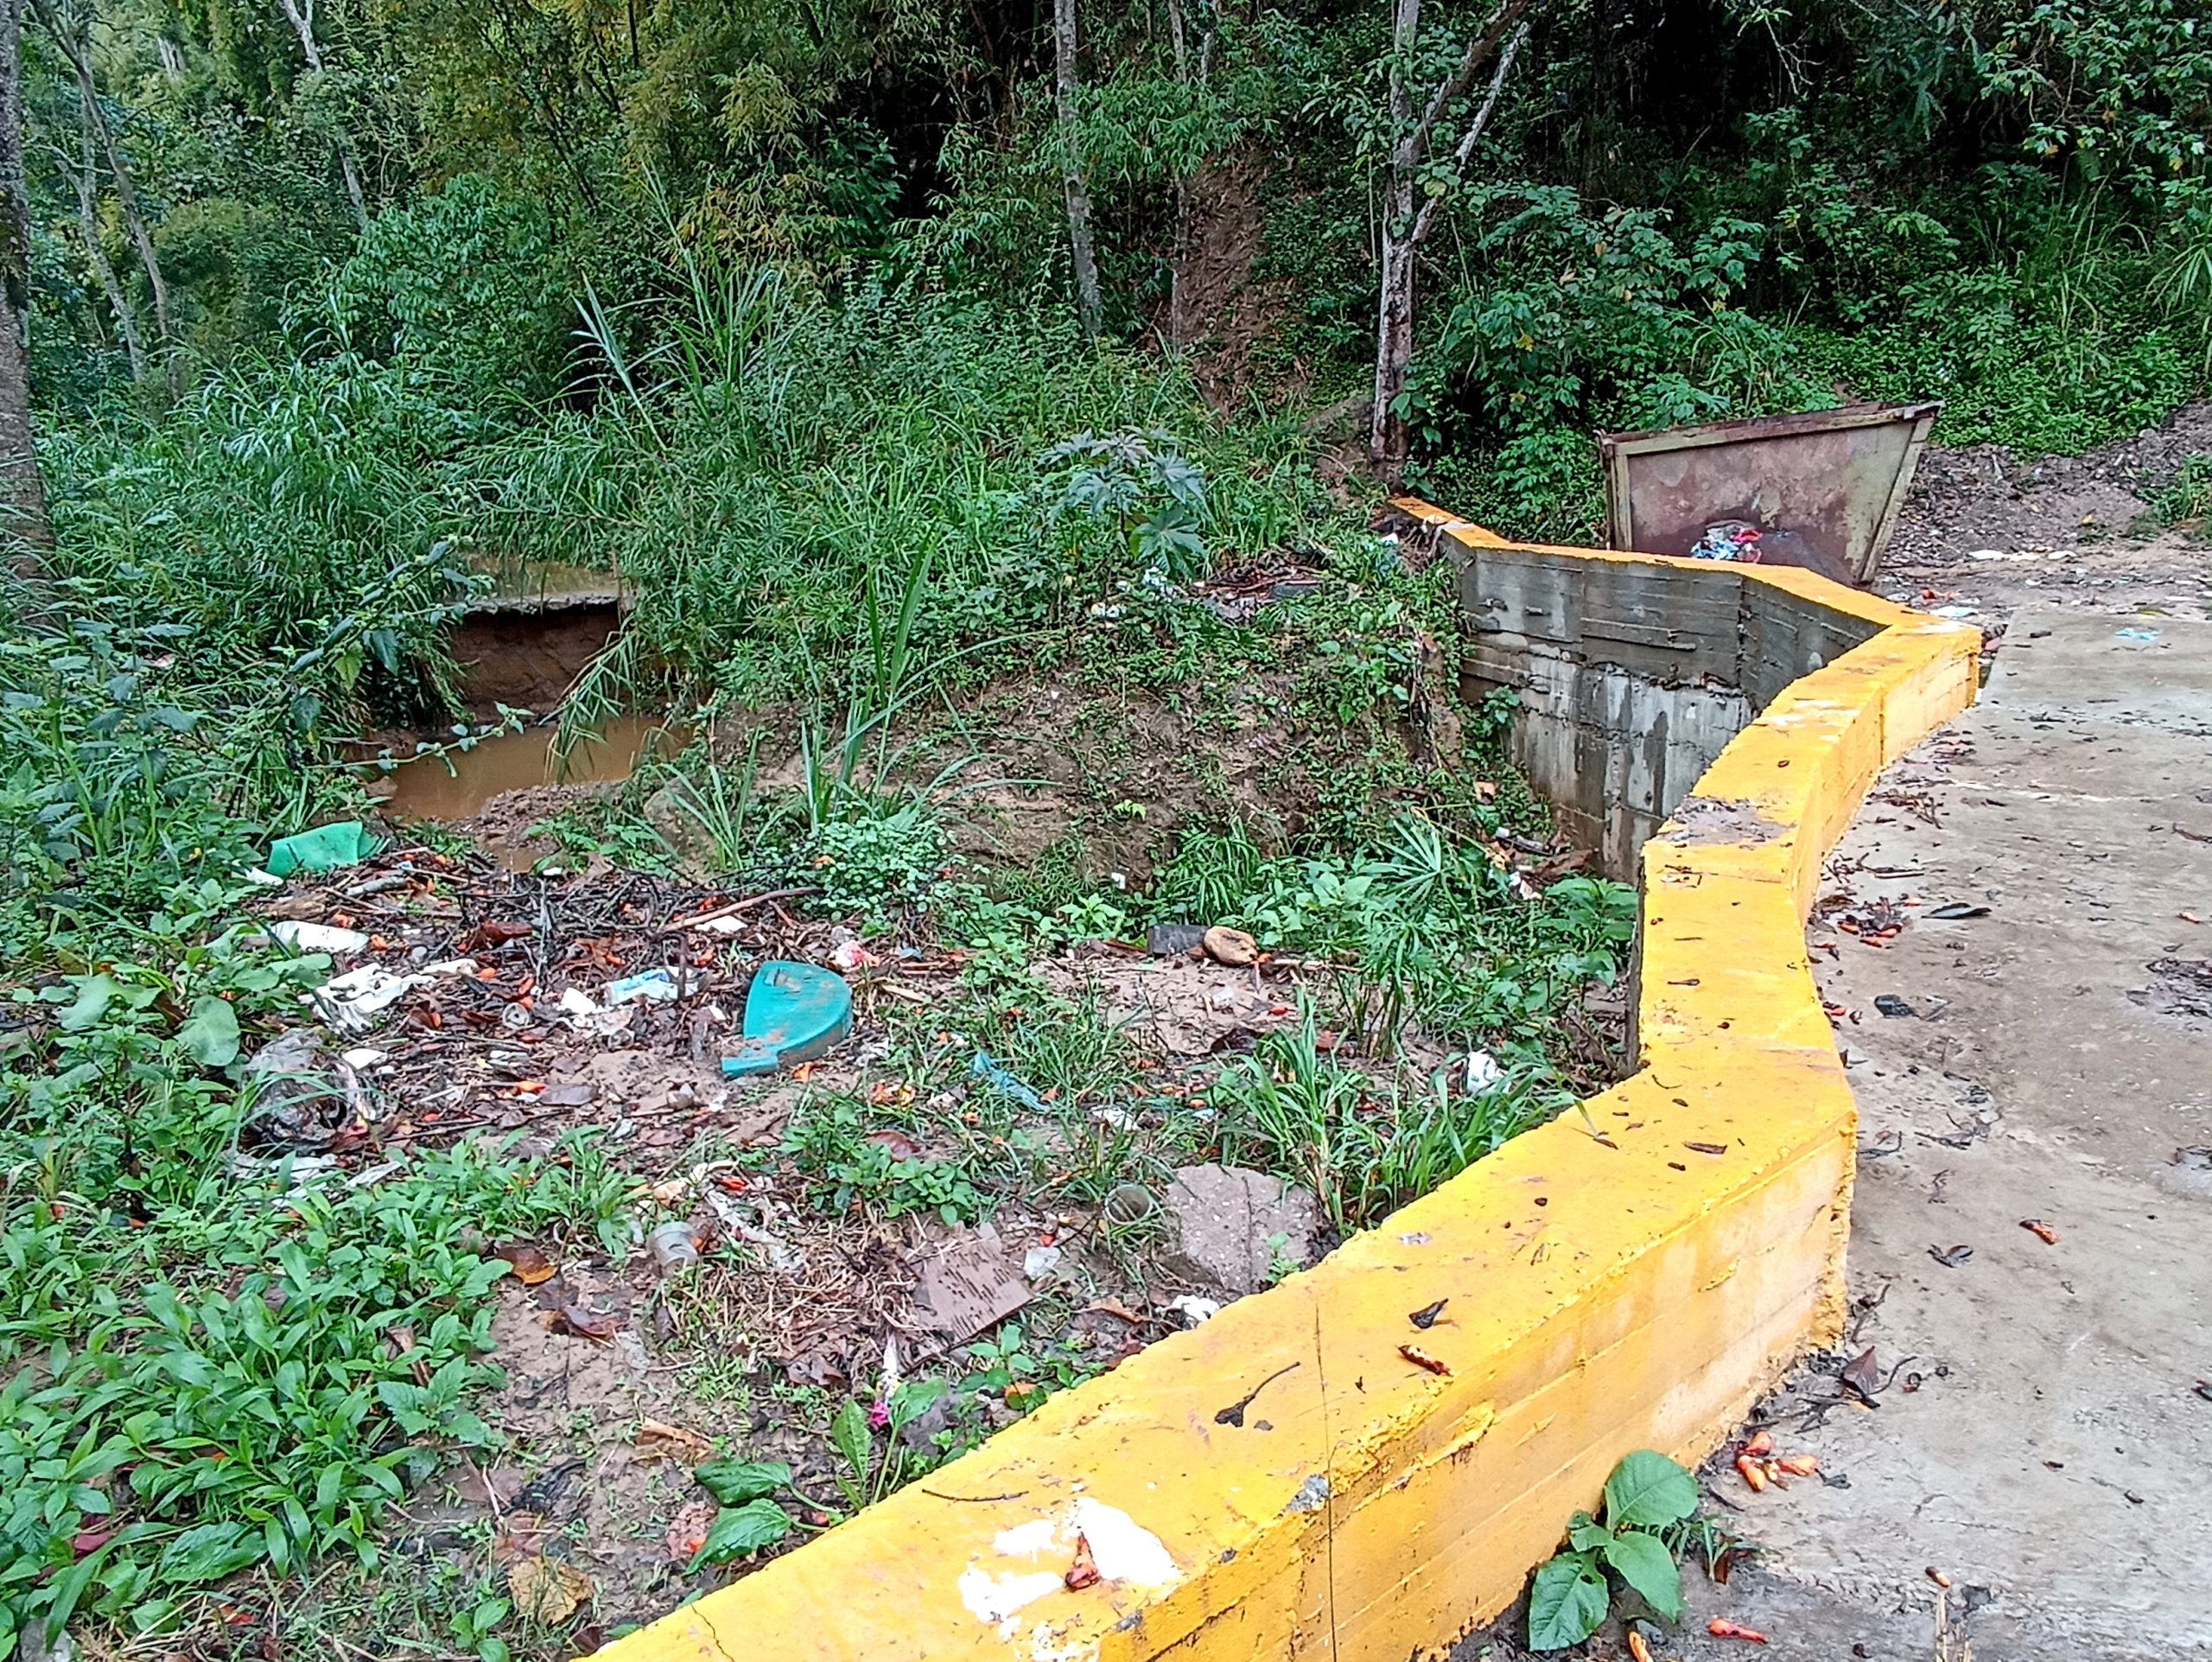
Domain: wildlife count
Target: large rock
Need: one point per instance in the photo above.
(1224, 1220)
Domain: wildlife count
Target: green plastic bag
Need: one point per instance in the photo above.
(324, 848)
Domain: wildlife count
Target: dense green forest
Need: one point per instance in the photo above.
(316, 298)
(881, 345)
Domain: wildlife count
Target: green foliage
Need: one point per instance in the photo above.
(1136, 484)
(1647, 1496)
(464, 290)
(829, 1138)
(872, 865)
(2187, 498)
(1362, 1144)
(216, 1385)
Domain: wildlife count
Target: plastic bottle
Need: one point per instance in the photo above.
(674, 1244)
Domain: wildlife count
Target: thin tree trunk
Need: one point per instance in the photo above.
(81, 175)
(126, 192)
(21, 486)
(1082, 252)
(302, 23)
(1389, 439)
(1406, 228)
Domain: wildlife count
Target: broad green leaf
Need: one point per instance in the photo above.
(1586, 1536)
(734, 1482)
(94, 994)
(1565, 1603)
(1644, 1563)
(210, 1552)
(849, 1433)
(1647, 1490)
(741, 1530)
(210, 1036)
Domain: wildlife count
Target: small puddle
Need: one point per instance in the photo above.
(457, 785)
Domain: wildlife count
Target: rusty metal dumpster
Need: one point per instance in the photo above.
(1820, 490)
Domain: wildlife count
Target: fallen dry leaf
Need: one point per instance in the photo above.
(1084, 1572)
(546, 1589)
(658, 1440)
(1112, 1306)
(1721, 1627)
(1422, 1358)
(2041, 1230)
(1759, 1446)
(574, 1319)
(1799, 1465)
(1862, 1374)
(687, 1530)
(529, 1263)
(522, 1536)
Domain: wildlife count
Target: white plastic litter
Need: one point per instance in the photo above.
(1193, 1309)
(657, 986)
(350, 1003)
(318, 937)
(1039, 1262)
(1482, 1072)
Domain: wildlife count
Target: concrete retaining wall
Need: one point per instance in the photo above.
(1612, 1285)
(1632, 678)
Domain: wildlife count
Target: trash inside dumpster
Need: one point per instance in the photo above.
(1820, 490)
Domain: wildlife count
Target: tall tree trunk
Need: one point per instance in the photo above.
(302, 22)
(21, 487)
(1082, 252)
(82, 175)
(126, 192)
(1388, 438)
(1406, 227)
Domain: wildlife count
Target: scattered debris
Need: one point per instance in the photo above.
(1422, 1358)
(1424, 1317)
(1952, 910)
(1194, 1310)
(1951, 1257)
(1889, 1004)
(970, 1281)
(2041, 1230)
(1721, 1627)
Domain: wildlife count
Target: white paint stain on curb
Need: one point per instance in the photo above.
(1123, 1550)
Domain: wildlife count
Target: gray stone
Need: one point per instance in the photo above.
(1224, 1220)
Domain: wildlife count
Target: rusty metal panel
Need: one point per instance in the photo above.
(1823, 489)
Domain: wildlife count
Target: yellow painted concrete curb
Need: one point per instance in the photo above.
(1613, 1286)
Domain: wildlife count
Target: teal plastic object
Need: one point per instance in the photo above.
(793, 1013)
(324, 848)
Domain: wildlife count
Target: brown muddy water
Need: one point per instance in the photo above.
(456, 785)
